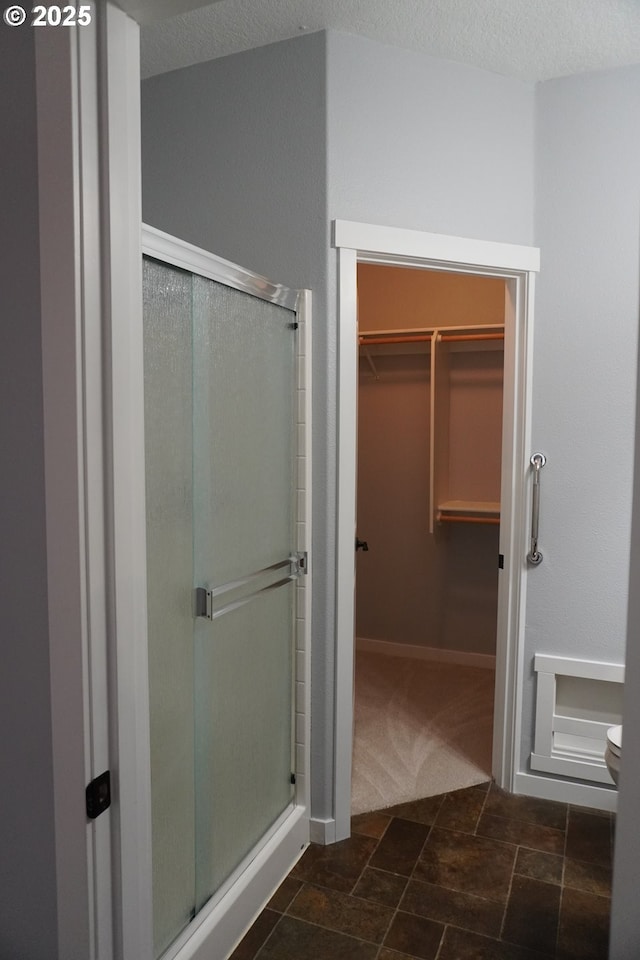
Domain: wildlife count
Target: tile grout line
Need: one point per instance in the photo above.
(446, 924)
(410, 877)
(518, 847)
(441, 944)
(395, 910)
(413, 870)
(322, 926)
(506, 902)
(513, 866)
(268, 937)
(397, 907)
(368, 860)
(484, 803)
(564, 868)
(310, 883)
(285, 913)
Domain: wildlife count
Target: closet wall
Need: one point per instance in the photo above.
(429, 432)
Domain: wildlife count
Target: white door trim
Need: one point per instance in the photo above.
(75, 287)
(66, 312)
(517, 264)
(460, 253)
(89, 189)
(129, 708)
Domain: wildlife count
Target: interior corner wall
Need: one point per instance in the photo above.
(28, 927)
(234, 161)
(585, 367)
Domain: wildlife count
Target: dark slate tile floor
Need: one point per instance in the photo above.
(473, 875)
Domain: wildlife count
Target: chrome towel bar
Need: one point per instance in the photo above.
(537, 461)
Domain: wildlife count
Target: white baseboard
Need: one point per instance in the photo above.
(593, 769)
(566, 791)
(415, 652)
(322, 831)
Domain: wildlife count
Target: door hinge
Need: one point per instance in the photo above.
(501, 561)
(98, 795)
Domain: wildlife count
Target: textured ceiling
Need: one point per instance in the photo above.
(529, 39)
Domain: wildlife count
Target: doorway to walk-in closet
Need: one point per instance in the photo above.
(430, 403)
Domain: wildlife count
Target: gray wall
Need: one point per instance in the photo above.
(428, 144)
(233, 158)
(28, 923)
(587, 306)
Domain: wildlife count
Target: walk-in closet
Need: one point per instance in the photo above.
(430, 400)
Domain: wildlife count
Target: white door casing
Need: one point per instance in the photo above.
(517, 265)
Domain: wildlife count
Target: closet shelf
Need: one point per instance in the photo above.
(367, 339)
(468, 511)
(486, 336)
(473, 329)
(468, 337)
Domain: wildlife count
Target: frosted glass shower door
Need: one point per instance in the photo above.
(168, 428)
(243, 462)
(220, 453)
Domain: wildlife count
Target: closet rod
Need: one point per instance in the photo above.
(449, 338)
(366, 341)
(444, 518)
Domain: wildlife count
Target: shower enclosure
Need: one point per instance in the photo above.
(224, 568)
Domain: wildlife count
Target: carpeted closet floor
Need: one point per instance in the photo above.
(422, 729)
